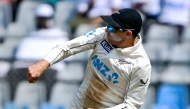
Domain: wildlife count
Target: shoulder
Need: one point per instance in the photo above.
(97, 33)
(142, 66)
(143, 62)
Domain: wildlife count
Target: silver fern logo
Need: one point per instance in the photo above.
(122, 61)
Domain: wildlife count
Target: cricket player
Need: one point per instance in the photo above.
(118, 70)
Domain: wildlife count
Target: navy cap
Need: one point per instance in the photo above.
(126, 19)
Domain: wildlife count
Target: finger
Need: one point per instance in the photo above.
(30, 79)
(28, 75)
(33, 81)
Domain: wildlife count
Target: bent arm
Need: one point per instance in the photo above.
(77, 45)
(60, 52)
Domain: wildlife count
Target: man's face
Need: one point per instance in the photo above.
(115, 37)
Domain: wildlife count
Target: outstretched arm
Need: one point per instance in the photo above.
(36, 70)
(60, 52)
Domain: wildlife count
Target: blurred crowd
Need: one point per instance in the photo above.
(30, 28)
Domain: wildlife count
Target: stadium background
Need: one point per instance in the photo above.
(170, 58)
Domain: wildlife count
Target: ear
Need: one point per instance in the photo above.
(129, 34)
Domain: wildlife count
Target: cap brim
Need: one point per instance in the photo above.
(109, 20)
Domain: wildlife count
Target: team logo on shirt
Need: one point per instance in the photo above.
(90, 33)
(122, 61)
(106, 46)
(104, 70)
(143, 82)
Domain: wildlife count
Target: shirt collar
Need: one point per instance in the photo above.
(131, 49)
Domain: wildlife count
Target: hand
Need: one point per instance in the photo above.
(36, 70)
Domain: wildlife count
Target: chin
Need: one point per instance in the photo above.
(111, 40)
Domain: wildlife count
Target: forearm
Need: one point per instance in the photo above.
(75, 46)
(61, 52)
(54, 56)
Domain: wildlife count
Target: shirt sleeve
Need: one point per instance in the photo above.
(77, 45)
(140, 80)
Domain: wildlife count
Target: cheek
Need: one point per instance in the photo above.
(115, 37)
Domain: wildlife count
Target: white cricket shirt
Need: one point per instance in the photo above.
(115, 78)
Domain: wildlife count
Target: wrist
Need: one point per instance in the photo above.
(43, 64)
